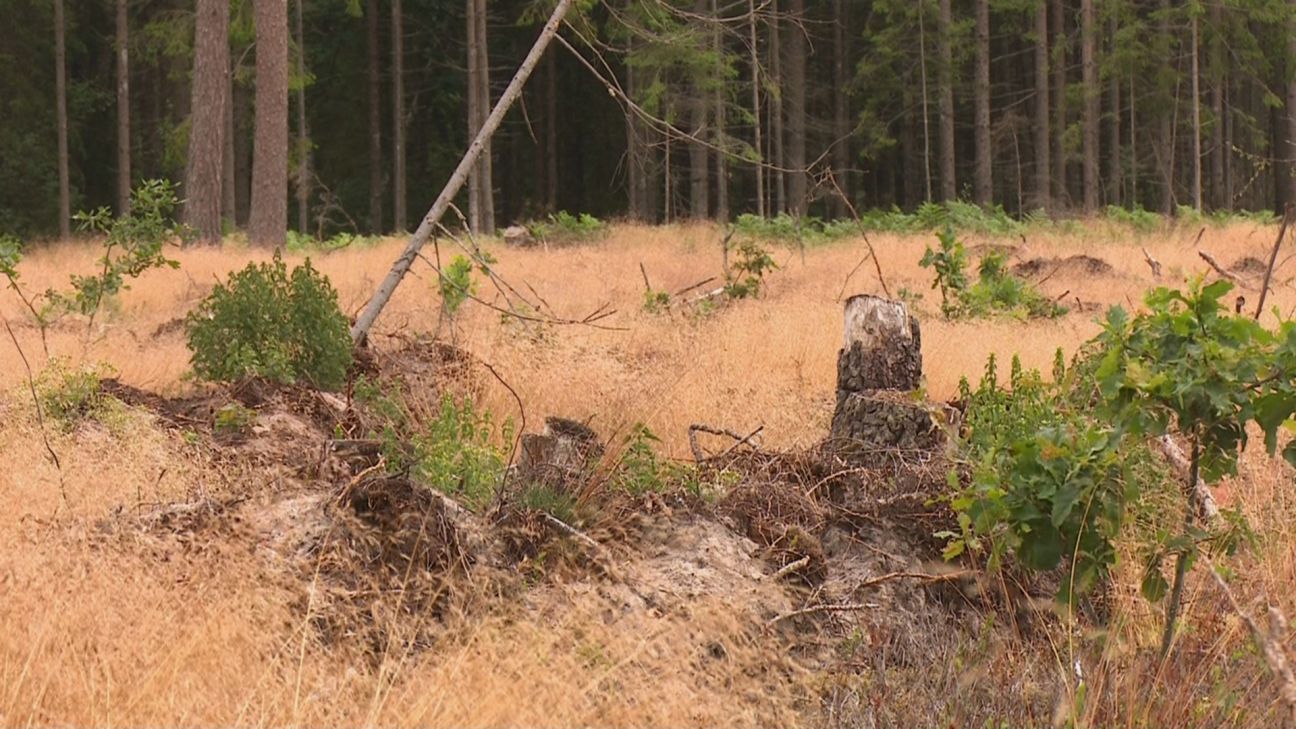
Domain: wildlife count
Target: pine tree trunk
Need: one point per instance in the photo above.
(1061, 196)
(486, 165)
(945, 90)
(303, 130)
(1115, 173)
(926, 112)
(795, 86)
(983, 178)
(754, 47)
(203, 190)
(1288, 154)
(1043, 166)
(1089, 120)
(1227, 122)
(229, 190)
(374, 88)
(551, 135)
(242, 156)
(122, 42)
(474, 115)
(777, 115)
(399, 217)
(1164, 144)
(60, 91)
(841, 150)
(721, 157)
(1219, 71)
(1196, 116)
(268, 225)
(699, 182)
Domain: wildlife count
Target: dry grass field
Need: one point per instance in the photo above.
(141, 631)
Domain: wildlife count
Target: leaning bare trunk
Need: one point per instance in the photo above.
(364, 322)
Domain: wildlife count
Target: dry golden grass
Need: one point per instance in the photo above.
(198, 634)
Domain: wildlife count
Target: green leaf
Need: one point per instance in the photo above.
(1041, 547)
(1154, 586)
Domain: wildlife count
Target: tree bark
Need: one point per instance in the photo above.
(60, 92)
(303, 130)
(229, 190)
(268, 225)
(1089, 120)
(1196, 115)
(778, 175)
(374, 89)
(122, 42)
(474, 103)
(1059, 60)
(1115, 167)
(1289, 154)
(1219, 73)
(203, 190)
(796, 110)
(1043, 166)
(485, 165)
(699, 155)
(945, 90)
(983, 179)
(364, 322)
(721, 156)
(754, 48)
(1164, 145)
(841, 149)
(399, 217)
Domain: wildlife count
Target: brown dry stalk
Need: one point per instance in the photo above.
(1268, 643)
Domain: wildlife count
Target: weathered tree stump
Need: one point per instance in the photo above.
(518, 236)
(882, 348)
(559, 454)
(878, 369)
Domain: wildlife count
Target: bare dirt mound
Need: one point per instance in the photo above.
(1249, 266)
(1079, 264)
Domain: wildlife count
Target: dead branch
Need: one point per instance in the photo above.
(922, 577)
(842, 608)
(1269, 643)
(1152, 263)
(1210, 261)
(40, 416)
(1203, 501)
(695, 428)
(1273, 257)
(689, 288)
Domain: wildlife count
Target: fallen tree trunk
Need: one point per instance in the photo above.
(374, 307)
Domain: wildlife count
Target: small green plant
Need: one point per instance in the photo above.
(69, 395)
(950, 265)
(656, 302)
(554, 502)
(233, 419)
(265, 322)
(563, 227)
(454, 453)
(304, 242)
(746, 276)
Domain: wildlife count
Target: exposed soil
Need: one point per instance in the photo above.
(1079, 264)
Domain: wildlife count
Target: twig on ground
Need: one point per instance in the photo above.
(700, 456)
(689, 288)
(789, 568)
(841, 608)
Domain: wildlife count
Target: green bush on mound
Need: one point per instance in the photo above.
(266, 322)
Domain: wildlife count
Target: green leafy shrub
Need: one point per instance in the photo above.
(265, 322)
(69, 395)
(1142, 221)
(563, 227)
(656, 302)
(747, 274)
(454, 453)
(233, 419)
(544, 497)
(996, 291)
(298, 242)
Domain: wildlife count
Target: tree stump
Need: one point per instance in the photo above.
(518, 237)
(560, 454)
(879, 368)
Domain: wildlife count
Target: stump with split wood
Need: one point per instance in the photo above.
(560, 455)
(879, 370)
